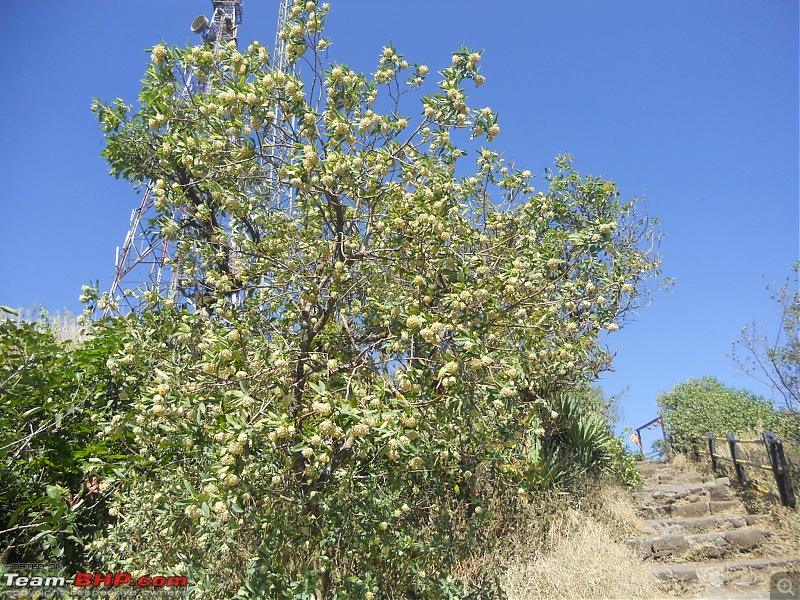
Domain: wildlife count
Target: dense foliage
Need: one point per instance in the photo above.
(81, 488)
(364, 378)
(51, 447)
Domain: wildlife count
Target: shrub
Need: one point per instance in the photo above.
(699, 406)
(51, 452)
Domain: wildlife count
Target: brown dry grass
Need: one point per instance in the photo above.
(576, 551)
(681, 462)
(784, 521)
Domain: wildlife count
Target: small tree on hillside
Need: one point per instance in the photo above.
(776, 362)
(698, 406)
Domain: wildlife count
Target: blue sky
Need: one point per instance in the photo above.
(691, 104)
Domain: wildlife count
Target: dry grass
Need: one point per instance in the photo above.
(576, 552)
(784, 520)
(615, 508)
(680, 461)
(786, 540)
(587, 562)
(64, 326)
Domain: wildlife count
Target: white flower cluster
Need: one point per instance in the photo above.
(415, 322)
(221, 510)
(393, 449)
(193, 512)
(236, 447)
(329, 429)
(360, 430)
(478, 363)
(448, 369)
(608, 227)
(159, 54)
(282, 432)
(321, 408)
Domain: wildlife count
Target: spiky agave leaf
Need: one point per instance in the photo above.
(580, 438)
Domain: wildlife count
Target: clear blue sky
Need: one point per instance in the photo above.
(692, 104)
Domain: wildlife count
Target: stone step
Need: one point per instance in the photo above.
(684, 479)
(691, 517)
(712, 576)
(693, 480)
(682, 482)
(653, 469)
(653, 464)
(681, 489)
(699, 508)
(692, 525)
(664, 472)
(650, 469)
(713, 545)
(686, 500)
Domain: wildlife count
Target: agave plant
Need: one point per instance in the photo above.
(577, 441)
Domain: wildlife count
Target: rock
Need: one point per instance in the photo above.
(720, 492)
(715, 551)
(723, 505)
(642, 547)
(695, 509)
(745, 539)
(750, 519)
(683, 573)
(674, 544)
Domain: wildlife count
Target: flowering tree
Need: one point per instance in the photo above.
(371, 364)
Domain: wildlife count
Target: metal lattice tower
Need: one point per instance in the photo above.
(278, 134)
(224, 24)
(144, 261)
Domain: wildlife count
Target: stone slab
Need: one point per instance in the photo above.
(695, 509)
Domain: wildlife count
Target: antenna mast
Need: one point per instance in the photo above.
(145, 260)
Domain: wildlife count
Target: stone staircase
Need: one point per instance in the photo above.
(698, 538)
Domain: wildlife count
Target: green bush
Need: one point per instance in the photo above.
(139, 462)
(699, 406)
(51, 451)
